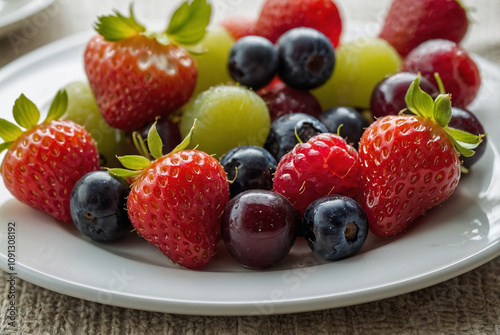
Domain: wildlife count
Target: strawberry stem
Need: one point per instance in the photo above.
(185, 142)
(155, 144)
(140, 145)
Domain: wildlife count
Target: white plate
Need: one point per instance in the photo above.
(461, 235)
(14, 12)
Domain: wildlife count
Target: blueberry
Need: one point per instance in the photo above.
(306, 58)
(335, 227)
(253, 61)
(98, 206)
(352, 122)
(282, 138)
(249, 167)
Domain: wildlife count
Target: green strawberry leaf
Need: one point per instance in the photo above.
(189, 21)
(4, 146)
(134, 162)
(465, 137)
(123, 173)
(461, 149)
(442, 109)
(118, 27)
(155, 144)
(439, 110)
(464, 141)
(410, 94)
(58, 106)
(419, 102)
(25, 112)
(424, 104)
(185, 142)
(9, 131)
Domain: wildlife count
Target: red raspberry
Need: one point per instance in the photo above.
(324, 165)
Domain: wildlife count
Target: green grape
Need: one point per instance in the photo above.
(360, 65)
(212, 61)
(226, 117)
(82, 109)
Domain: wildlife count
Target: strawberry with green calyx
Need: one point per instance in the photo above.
(44, 161)
(410, 163)
(176, 201)
(137, 75)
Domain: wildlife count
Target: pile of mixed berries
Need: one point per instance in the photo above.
(254, 131)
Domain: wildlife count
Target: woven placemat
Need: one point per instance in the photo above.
(468, 304)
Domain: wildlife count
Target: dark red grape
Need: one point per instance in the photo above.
(388, 97)
(258, 228)
(281, 99)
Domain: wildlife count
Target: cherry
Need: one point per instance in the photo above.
(258, 228)
(388, 97)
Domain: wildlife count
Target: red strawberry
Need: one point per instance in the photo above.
(44, 162)
(239, 26)
(281, 99)
(458, 72)
(138, 75)
(409, 23)
(410, 163)
(324, 165)
(279, 16)
(176, 202)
